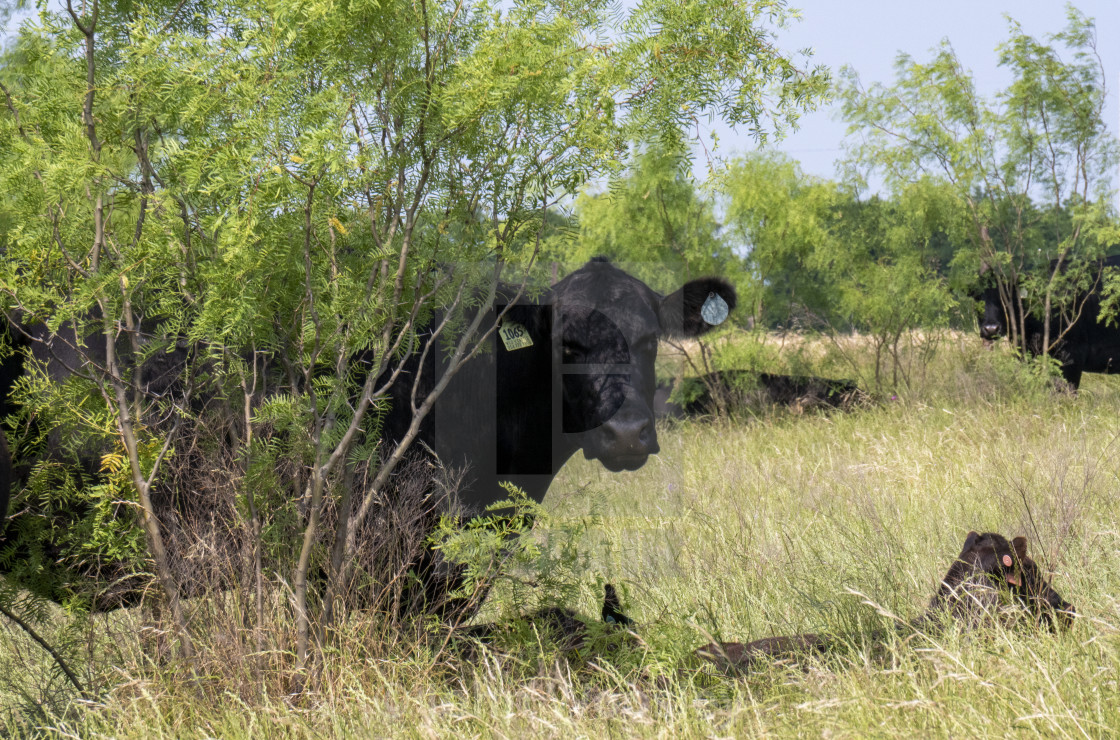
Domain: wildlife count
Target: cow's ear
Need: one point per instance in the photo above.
(697, 307)
(1020, 546)
(969, 542)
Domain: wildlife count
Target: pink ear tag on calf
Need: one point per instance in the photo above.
(714, 311)
(1011, 578)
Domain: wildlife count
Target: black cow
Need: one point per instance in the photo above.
(988, 564)
(584, 380)
(573, 370)
(1087, 345)
(62, 355)
(578, 375)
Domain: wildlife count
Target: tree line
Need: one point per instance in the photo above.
(1015, 191)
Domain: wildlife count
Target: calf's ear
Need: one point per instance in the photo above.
(969, 542)
(1020, 546)
(697, 307)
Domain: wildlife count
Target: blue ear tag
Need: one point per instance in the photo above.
(714, 311)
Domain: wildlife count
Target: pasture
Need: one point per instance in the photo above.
(768, 524)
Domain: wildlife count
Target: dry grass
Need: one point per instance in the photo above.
(736, 531)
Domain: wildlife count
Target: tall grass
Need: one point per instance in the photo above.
(767, 525)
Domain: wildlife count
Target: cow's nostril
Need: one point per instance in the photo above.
(632, 434)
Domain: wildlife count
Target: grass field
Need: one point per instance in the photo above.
(767, 524)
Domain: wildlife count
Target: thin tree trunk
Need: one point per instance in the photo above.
(152, 530)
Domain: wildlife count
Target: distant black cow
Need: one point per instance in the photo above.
(573, 370)
(988, 564)
(1086, 344)
(739, 389)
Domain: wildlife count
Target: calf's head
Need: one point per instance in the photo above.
(1006, 565)
(609, 324)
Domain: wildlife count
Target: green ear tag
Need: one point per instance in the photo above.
(514, 336)
(715, 310)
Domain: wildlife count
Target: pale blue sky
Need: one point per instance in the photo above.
(869, 34)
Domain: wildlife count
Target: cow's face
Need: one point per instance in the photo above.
(608, 327)
(993, 320)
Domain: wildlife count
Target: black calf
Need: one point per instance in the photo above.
(991, 580)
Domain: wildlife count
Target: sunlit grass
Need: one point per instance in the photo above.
(769, 524)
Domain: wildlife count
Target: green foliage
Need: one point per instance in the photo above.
(655, 221)
(261, 199)
(823, 259)
(1031, 169)
(749, 351)
(521, 549)
(783, 218)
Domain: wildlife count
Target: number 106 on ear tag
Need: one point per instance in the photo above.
(514, 335)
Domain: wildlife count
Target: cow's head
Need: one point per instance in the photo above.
(608, 325)
(1007, 565)
(993, 319)
(993, 316)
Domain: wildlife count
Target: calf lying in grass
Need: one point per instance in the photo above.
(746, 391)
(992, 580)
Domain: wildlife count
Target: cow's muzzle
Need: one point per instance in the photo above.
(626, 440)
(990, 331)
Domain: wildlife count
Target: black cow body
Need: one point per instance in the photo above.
(1087, 345)
(61, 355)
(575, 371)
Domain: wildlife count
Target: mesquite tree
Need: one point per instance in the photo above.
(1032, 167)
(270, 199)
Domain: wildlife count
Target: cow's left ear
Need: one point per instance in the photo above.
(969, 542)
(697, 308)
